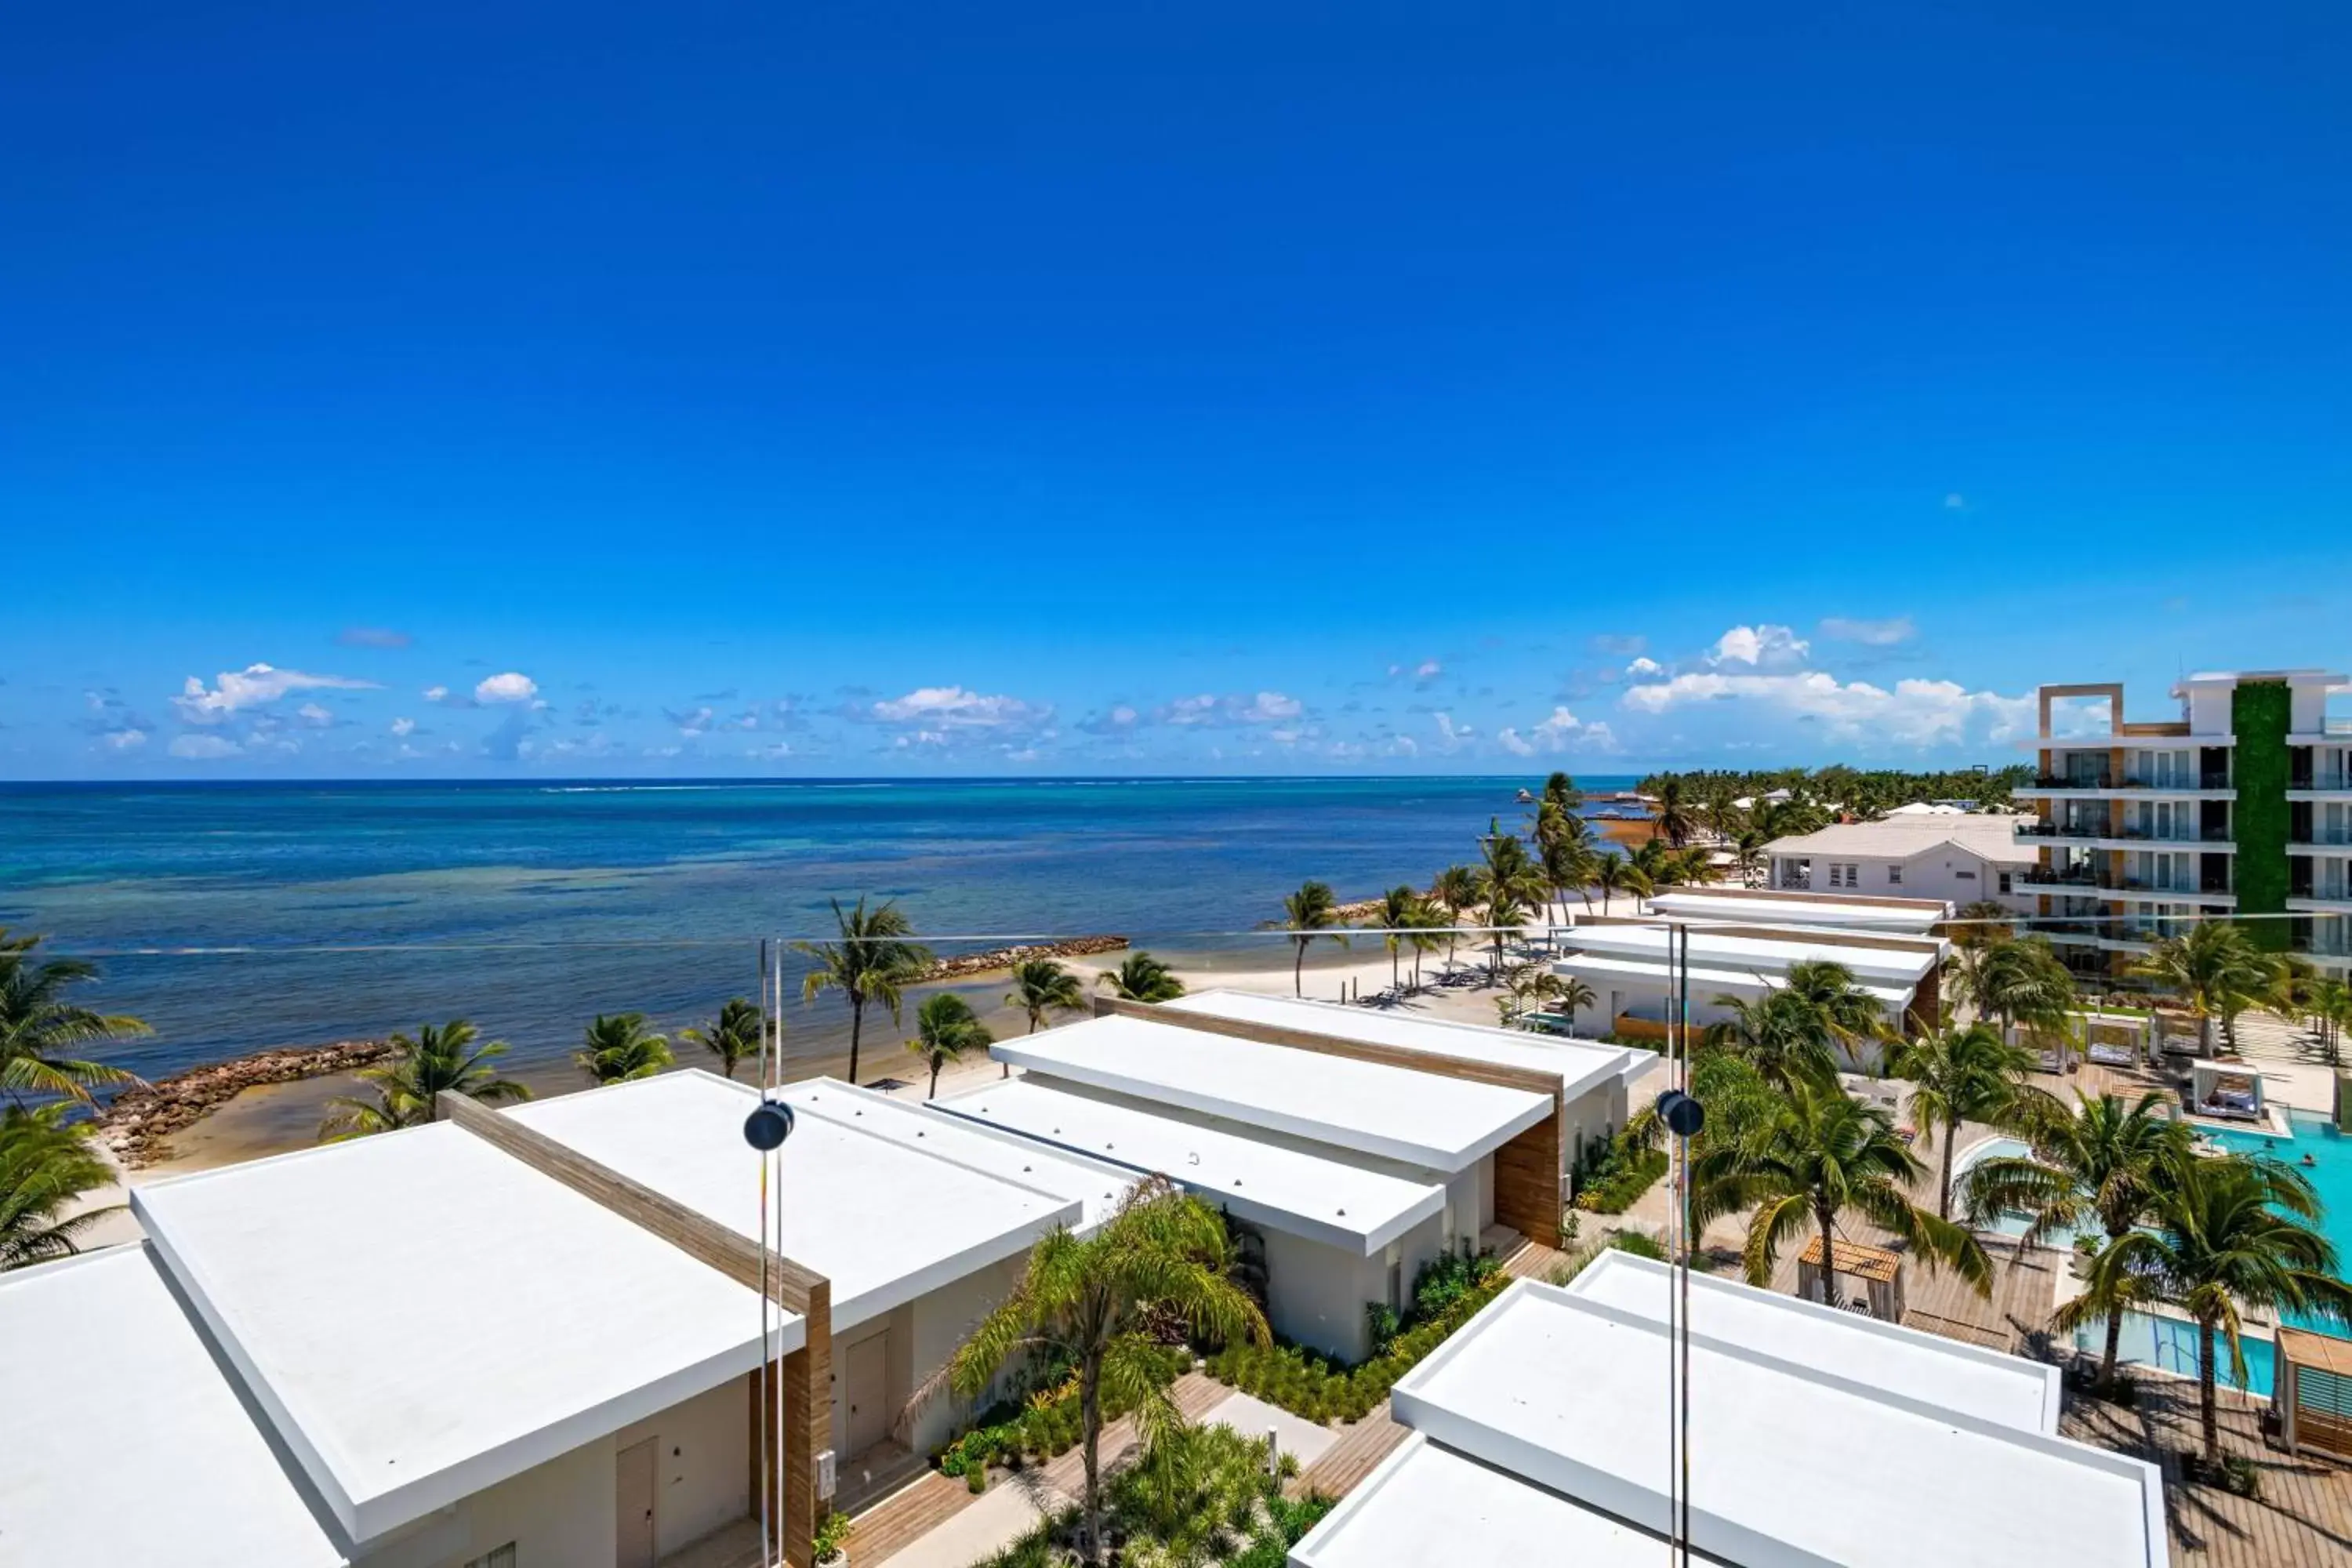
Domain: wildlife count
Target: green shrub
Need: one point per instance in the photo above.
(1615, 1174)
(1005, 1433)
(1310, 1386)
(1639, 1244)
(831, 1536)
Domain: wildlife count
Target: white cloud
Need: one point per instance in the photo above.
(404, 728)
(1912, 713)
(315, 717)
(1556, 732)
(695, 723)
(939, 708)
(510, 687)
(204, 748)
(1642, 668)
(1263, 708)
(1451, 736)
(255, 685)
(436, 694)
(1761, 647)
(1872, 634)
(123, 740)
(1599, 737)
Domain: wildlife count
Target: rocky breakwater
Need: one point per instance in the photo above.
(965, 965)
(139, 1121)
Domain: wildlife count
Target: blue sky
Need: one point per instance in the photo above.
(826, 389)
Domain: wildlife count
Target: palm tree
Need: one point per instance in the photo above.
(1455, 888)
(1614, 874)
(1504, 915)
(1041, 985)
(2103, 1162)
(733, 1036)
(1671, 814)
(1509, 870)
(1781, 1034)
(1956, 1075)
(38, 1027)
(1306, 914)
(1567, 866)
(1748, 847)
(1093, 1302)
(2230, 1232)
(870, 962)
(1560, 790)
(1141, 978)
(1815, 1154)
(1574, 996)
(440, 1060)
(1425, 932)
(45, 1165)
(1395, 921)
(946, 1028)
(2216, 970)
(2330, 1003)
(2111, 1287)
(2022, 982)
(618, 1048)
(1850, 1014)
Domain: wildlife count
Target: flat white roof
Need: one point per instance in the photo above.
(1870, 964)
(1422, 1119)
(1580, 1065)
(1704, 983)
(1272, 1185)
(1789, 1464)
(314, 1270)
(1425, 1505)
(1098, 1188)
(127, 1442)
(1800, 909)
(2007, 1390)
(884, 1221)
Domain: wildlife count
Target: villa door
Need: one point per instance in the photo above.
(633, 1521)
(869, 1393)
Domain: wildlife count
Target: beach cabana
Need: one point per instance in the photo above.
(2222, 1089)
(2311, 1391)
(1874, 1272)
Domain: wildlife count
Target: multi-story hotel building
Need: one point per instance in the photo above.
(2242, 806)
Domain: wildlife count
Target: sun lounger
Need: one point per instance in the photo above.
(2114, 1055)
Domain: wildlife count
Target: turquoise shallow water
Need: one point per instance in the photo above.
(530, 907)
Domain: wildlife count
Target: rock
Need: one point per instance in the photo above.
(136, 1123)
(963, 965)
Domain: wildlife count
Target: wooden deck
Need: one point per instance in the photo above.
(2302, 1520)
(1345, 1464)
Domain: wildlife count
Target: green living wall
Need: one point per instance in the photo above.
(2259, 714)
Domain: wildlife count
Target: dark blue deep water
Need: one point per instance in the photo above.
(237, 916)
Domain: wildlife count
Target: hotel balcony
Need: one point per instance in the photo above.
(2105, 786)
(2078, 883)
(2105, 836)
(2319, 786)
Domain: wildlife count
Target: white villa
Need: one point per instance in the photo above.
(1358, 1146)
(1636, 967)
(517, 1338)
(1543, 1432)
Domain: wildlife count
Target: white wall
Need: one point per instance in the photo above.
(562, 1511)
(1316, 1293)
(941, 1321)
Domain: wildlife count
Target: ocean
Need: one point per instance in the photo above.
(234, 917)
